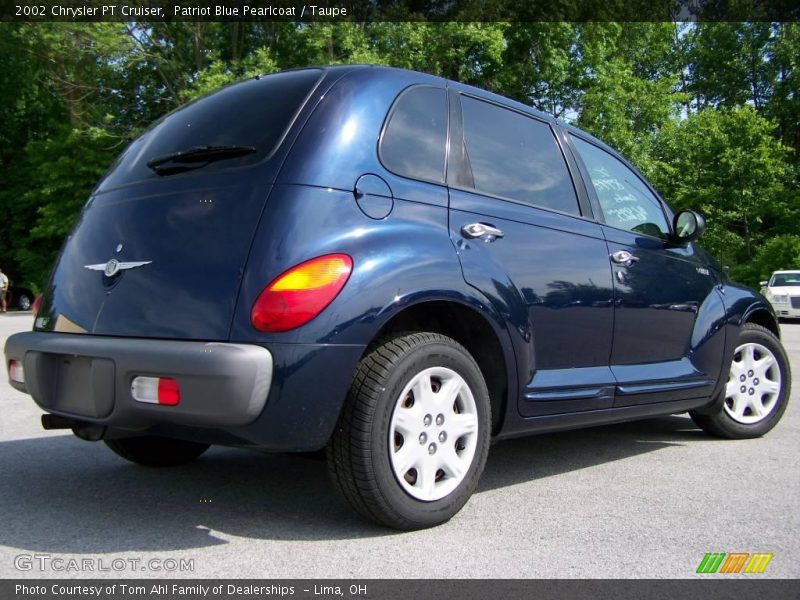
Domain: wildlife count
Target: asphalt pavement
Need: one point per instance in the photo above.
(645, 500)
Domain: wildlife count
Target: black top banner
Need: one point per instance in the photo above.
(400, 10)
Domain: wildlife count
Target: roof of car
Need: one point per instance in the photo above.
(428, 78)
(480, 92)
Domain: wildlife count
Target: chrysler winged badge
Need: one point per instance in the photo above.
(113, 266)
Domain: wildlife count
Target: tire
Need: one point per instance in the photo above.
(400, 455)
(152, 451)
(24, 302)
(757, 392)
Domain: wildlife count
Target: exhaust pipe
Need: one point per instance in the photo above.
(85, 431)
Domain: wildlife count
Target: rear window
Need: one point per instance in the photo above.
(254, 113)
(415, 139)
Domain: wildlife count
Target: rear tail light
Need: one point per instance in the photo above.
(16, 372)
(37, 303)
(298, 295)
(156, 390)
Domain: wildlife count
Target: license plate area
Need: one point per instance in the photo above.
(77, 385)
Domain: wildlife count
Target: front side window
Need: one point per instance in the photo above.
(516, 156)
(414, 142)
(625, 200)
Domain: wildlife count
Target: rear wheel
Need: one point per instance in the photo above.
(413, 437)
(153, 451)
(757, 390)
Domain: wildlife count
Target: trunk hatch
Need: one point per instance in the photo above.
(195, 244)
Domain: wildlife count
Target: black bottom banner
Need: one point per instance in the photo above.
(400, 589)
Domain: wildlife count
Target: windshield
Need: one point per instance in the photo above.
(255, 113)
(785, 280)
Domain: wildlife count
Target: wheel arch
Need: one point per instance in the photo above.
(472, 329)
(762, 316)
(743, 306)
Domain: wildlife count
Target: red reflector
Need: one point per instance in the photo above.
(298, 295)
(169, 392)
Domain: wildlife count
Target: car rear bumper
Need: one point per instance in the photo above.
(89, 379)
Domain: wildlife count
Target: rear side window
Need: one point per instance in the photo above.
(625, 200)
(255, 113)
(415, 138)
(516, 156)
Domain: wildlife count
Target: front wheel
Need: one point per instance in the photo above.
(757, 390)
(413, 437)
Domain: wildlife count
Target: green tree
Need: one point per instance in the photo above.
(710, 111)
(727, 164)
(777, 253)
(629, 84)
(784, 104)
(730, 64)
(541, 67)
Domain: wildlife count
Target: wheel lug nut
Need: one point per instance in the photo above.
(742, 389)
(439, 419)
(426, 420)
(742, 377)
(755, 381)
(442, 436)
(423, 438)
(432, 449)
(750, 373)
(751, 391)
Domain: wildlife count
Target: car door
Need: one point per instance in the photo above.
(661, 289)
(523, 240)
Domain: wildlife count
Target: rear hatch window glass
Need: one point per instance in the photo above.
(254, 113)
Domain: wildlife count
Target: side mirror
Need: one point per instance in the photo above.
(763, 283)
(688, 226)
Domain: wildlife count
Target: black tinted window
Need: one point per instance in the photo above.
(516, 156)
(415, 138)
(255, 113)
(625, 200)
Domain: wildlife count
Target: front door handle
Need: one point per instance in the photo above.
(623, 257)
(488, 233)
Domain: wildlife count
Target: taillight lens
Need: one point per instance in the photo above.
(298, 295)
(156, 390)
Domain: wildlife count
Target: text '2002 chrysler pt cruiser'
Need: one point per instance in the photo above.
(394, 267)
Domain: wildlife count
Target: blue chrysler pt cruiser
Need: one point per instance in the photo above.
(393, 267)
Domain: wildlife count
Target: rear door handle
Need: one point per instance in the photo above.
(488, 233)
(623, 257)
